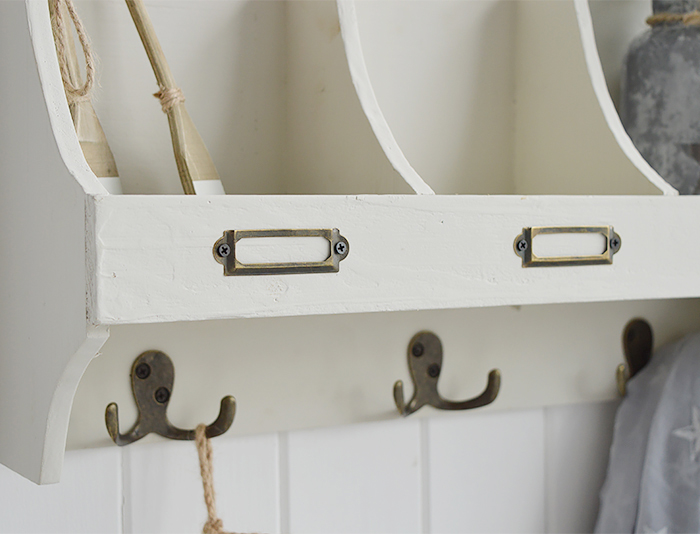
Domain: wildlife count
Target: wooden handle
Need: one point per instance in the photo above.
(194, 164)
(150, 42)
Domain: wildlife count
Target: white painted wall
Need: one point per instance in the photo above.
(518, 471)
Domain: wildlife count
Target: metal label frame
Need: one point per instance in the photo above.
(225, 253)
(523, 246)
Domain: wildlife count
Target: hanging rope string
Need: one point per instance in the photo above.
(214, 525)
(169, 98)
(73, 93)
(689, 19)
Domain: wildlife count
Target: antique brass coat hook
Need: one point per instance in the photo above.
(425, 363)
(152, 377)
(637, 344)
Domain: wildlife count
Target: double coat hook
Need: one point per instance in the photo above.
(152, 377)
(638, 345)
(425, 364)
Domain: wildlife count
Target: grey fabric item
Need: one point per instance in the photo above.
(653, 480)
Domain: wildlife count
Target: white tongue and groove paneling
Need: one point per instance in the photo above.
(484, 473)
(480, 466)
(577, 443)
(364, 478)
(87, 501)
(163, 486)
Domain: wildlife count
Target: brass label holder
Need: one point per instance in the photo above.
(225, 253)
(523, 246)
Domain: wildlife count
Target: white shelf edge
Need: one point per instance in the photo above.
(154, 259)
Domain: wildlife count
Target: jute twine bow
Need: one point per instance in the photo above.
(169, 97)
(73, 93)
(689, 19)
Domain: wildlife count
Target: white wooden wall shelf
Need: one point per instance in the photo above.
(318, 116)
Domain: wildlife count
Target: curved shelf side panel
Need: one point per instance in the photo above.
(368, 100)
(595, 70)
(45, 340)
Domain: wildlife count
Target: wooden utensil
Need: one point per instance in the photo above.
(197, 171)
(91, 136)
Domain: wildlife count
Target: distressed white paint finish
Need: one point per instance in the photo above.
(45, 341)
(479, 468)
(155, 263)
(87, 501)
(163, 486)
(365, 478)
(577, 444)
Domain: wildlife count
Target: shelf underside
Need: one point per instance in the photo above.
(154, 260)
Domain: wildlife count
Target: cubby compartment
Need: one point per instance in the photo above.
(266, 83)
(503, 106)
(495, 97)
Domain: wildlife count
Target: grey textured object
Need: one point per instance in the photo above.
(660, 97)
